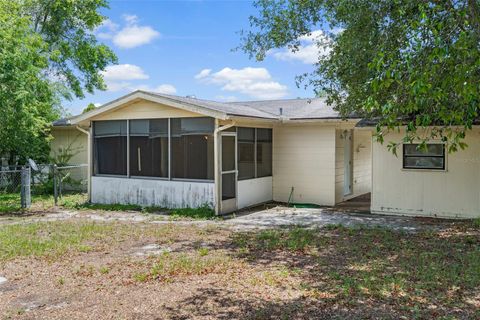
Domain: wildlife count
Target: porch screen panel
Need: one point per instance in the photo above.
(264, 152)
(246, 153)
(192, 148)
(149, 148)
(110, 147)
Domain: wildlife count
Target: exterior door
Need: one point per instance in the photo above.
(229, 172)
(348, 163)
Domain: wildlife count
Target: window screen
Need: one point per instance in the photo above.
(433, 157)
(110, 147)
(192, 148)
(264, 152)
(149, 148)
(254, 153)
(246, 153)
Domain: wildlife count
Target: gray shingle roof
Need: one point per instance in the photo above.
(292, 109)
(228, 108)
(315, 108)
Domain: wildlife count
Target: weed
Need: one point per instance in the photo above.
(203, 251)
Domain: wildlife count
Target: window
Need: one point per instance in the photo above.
(149, 148)
(110, 147)
(192, 148)
(433, 157)
(246, 153)
(264, 152)
(254, 153)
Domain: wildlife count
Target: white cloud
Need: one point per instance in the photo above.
(311, 48)
(124, 72)
(163, 88)
(130, 36)
(254, 82)
(107, 29)
(97, 104)
(203, 74)
(118, 77)
(166, 89)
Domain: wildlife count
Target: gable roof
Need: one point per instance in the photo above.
(274, 110)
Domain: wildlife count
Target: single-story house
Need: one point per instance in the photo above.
(154, 149)
(161, 150)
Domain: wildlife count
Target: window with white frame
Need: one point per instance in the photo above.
(254, 153)
(431, 157)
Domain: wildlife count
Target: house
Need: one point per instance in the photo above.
(161, 150)
(434, 183)
(153, 149)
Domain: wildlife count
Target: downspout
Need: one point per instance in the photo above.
(217, 168)
(89, 160)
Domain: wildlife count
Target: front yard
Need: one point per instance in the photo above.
(80, 269)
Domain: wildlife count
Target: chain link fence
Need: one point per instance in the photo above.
(19, 184)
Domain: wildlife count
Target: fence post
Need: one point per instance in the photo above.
(55, 193)
(25, 195)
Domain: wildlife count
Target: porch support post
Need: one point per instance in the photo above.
(216, 168)
(217, 149)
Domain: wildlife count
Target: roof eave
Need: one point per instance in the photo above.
(112, 105)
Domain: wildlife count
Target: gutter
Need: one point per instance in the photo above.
(89, 161)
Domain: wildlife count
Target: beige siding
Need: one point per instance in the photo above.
(451, 193)
(304, 158)
(73, 138)
(362, 164)
(145, 110)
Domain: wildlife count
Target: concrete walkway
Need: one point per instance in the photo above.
(262, 219)
(320, 217)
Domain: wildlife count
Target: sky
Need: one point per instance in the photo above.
(185, 48)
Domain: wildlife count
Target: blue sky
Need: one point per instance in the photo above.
(185, 48)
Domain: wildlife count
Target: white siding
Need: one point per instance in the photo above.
(454, 193)
(145, 110)
(70, 136)
(254, 191)
(362, 164)
(304, 158)
(147, 192)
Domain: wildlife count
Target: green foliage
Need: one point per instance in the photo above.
(47, 51)
(204, 212)
(90, 107)
(403, 63)
(75, 56)
(26, 97)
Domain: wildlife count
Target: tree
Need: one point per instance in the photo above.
(47, 52)
(26, 98)
(90, 107)
(400, 62)
(75, 56)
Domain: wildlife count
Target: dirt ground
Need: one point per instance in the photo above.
(207, 270)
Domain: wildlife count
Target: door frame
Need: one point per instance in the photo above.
(229, 205)
(348, 152)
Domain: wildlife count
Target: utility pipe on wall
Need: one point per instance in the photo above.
(89, 160)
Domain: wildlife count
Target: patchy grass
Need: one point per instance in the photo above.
(210, 272)
(10, 203)
(410, 271)
(50, 239)
(173, 265)
(204, 212)
(296, 239)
